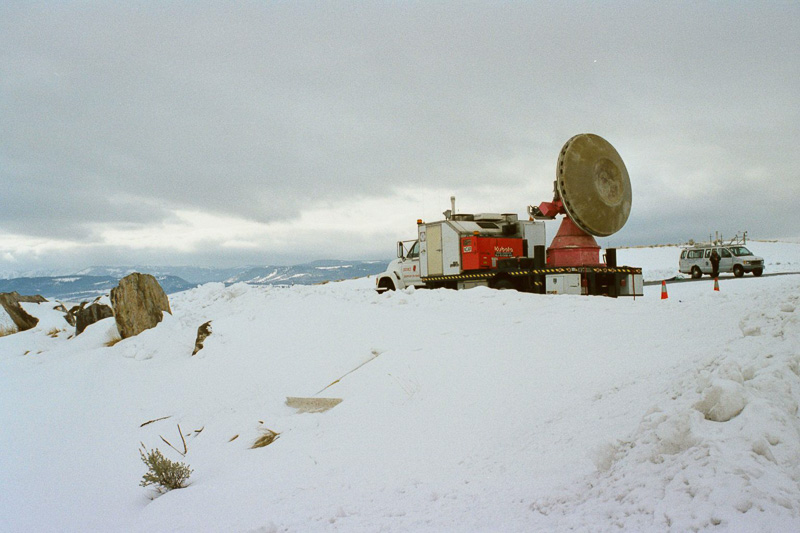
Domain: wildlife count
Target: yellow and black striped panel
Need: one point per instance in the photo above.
(459, 277)
(541, 271)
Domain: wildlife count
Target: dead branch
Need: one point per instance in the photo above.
(184, 440)
(168, 443)
(155, 420)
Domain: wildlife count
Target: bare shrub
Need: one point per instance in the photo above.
(166, 475)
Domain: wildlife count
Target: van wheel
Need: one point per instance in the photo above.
(738, 271)
(696, 272)
(386, 284)
(757, 272)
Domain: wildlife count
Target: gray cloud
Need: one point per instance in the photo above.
(117, 115)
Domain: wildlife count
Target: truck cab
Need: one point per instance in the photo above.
(402, 272)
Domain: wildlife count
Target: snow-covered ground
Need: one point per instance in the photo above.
(474, 410)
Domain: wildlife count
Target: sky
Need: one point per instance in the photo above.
(224, 134)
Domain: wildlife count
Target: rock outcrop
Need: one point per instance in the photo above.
(202, 334)
(10, 302)
(86, 316)
(73, 311)
(139, 303)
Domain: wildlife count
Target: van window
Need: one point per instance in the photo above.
(683, 254)
(739, 251)
(708, 252)
(724, 252)
(695, 254)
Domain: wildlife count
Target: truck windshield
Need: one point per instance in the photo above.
(414, 251)
(739, 251)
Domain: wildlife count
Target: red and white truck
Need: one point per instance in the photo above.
(592, 190)
(498, 251)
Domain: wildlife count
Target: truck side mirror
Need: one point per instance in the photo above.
(400, 249)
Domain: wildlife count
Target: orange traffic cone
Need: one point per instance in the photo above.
(664, 294)
(716, 284)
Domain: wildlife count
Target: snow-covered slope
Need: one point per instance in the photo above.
(473, 410)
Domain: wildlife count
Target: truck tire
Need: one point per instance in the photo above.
(757, 272)
(696, 272)
(738, 271)
(503, 284)
(385, 284)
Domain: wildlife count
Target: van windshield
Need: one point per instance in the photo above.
(739, 251)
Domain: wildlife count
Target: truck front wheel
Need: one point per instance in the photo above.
(385, 284)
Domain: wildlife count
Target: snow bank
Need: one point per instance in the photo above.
(719, 447)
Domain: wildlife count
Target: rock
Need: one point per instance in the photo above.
(10, 302)
(36, 299)
(139, 303)
(73, 312)
(202, 334)
(312, 404)
(87, 316)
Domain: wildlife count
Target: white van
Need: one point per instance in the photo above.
(696, 260)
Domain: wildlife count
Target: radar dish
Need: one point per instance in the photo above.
(593, 185)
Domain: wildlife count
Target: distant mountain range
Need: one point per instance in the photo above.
(79, 288)
(98, 280)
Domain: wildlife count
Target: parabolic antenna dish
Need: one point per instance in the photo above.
(593, 185)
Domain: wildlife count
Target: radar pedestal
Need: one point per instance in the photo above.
(573, 247)
(593, 190)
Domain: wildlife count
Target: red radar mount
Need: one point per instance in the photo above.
(573, 247)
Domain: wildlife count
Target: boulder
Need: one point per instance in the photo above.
(202, 334)
(139, 303)
(10, 302)
(73, 312)
(87, 316)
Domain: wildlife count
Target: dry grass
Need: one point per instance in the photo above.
(7, 330)
(112, 340)
(266, 439)
(54, 332)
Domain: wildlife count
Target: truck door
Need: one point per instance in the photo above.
(410, 266)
